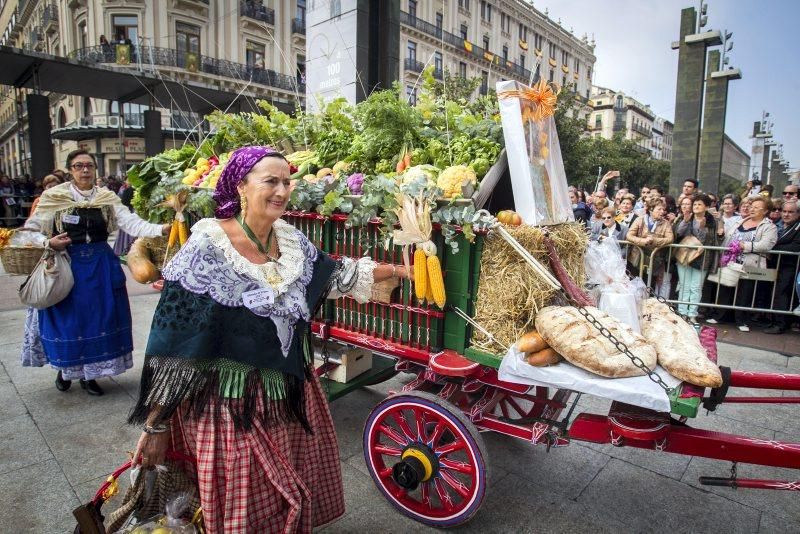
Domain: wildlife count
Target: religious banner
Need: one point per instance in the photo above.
(123, 54)
(192, 62)
(538, 180)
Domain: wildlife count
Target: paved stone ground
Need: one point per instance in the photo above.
(57, 448)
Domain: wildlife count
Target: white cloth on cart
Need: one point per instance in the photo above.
(638, 390)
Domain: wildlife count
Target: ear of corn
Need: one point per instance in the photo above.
(183, 233)
(436, 281)
(420, 274)
(173, 235)
(429, 293)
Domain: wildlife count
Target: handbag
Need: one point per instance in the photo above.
(685, 256)
(50, 281)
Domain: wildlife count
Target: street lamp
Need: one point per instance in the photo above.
(703, 15)
(727, 47)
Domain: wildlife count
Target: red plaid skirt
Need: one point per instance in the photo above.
(269, 479)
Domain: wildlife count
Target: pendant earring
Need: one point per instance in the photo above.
(243, 203)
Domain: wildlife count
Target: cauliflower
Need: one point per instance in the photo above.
(456, 181)
(355, 182)
(427, 173)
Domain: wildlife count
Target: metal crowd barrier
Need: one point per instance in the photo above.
(766, 281)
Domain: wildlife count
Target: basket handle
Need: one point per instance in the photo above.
(112, 478)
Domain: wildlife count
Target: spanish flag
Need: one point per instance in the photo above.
(564, 69)
(488, 56)
(538, 52)
(553, 62)
(467, 46)
(523, 44)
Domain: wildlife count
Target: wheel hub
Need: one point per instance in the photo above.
(418, 464)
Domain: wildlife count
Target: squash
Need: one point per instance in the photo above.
(140, 264)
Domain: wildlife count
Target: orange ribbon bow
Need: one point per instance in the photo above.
(538, 102)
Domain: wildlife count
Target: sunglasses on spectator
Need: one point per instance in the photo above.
(607, 218)
(81, 166)
(790, 193)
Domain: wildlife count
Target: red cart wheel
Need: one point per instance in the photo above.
(426, 458)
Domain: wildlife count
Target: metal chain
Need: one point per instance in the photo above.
(623, 348)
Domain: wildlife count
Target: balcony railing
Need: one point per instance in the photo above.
(642, 130)
(299, 26)
(135, 120)
(257, 11)
(169, 57)
(412, 65)
(457, 41)
(50, 17)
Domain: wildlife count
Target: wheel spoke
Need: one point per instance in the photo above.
(386, 449)
(385, 472)
(437, 433)
(456, 484)
(403, 424)
(504, 408)
(394, 435)
(456, 465)
(444, 450)
(419, 416)
(426, 495)
(516, 406)
(444, 496)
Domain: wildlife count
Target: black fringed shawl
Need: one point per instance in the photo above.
(200, 348)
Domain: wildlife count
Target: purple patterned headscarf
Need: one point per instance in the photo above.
(239, 164)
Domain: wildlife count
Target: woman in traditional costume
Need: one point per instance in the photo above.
(228, 376)
(88, 334)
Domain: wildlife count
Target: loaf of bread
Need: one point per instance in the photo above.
(531, 342)
(580, 343)
(543, 358)
(678, 346)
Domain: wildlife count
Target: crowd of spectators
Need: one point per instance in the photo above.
(696, 220)
(19, 196)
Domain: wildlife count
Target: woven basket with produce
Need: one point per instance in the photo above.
(19, 252)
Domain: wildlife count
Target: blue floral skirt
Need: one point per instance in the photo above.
(88, 334)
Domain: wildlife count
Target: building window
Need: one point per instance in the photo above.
(523, 32)
(62, 118)
(300, 12)
(83, 36)
(437, 61)
(486, 11)
(486, 42)
(411, 94)
(484, 82)
(412, 8)
(598, 120)
(552, 52)
(439, 20)
(411, 51)
(188, 39)
(462, 69)
(463, 4)
(301, 69)
(522, 60)
(550, 78)
(505, 22)
(464, 31)
(126, 28)
(254, 55)
(505, 53)
(538, 41)
(577, 66)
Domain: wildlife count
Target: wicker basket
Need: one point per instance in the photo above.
(157, 247)
(20, 260)
(382, 291)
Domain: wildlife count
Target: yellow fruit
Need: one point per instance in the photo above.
(322, 173)
(436, 281)
(420, 274)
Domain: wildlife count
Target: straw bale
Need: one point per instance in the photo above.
(510, 293)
